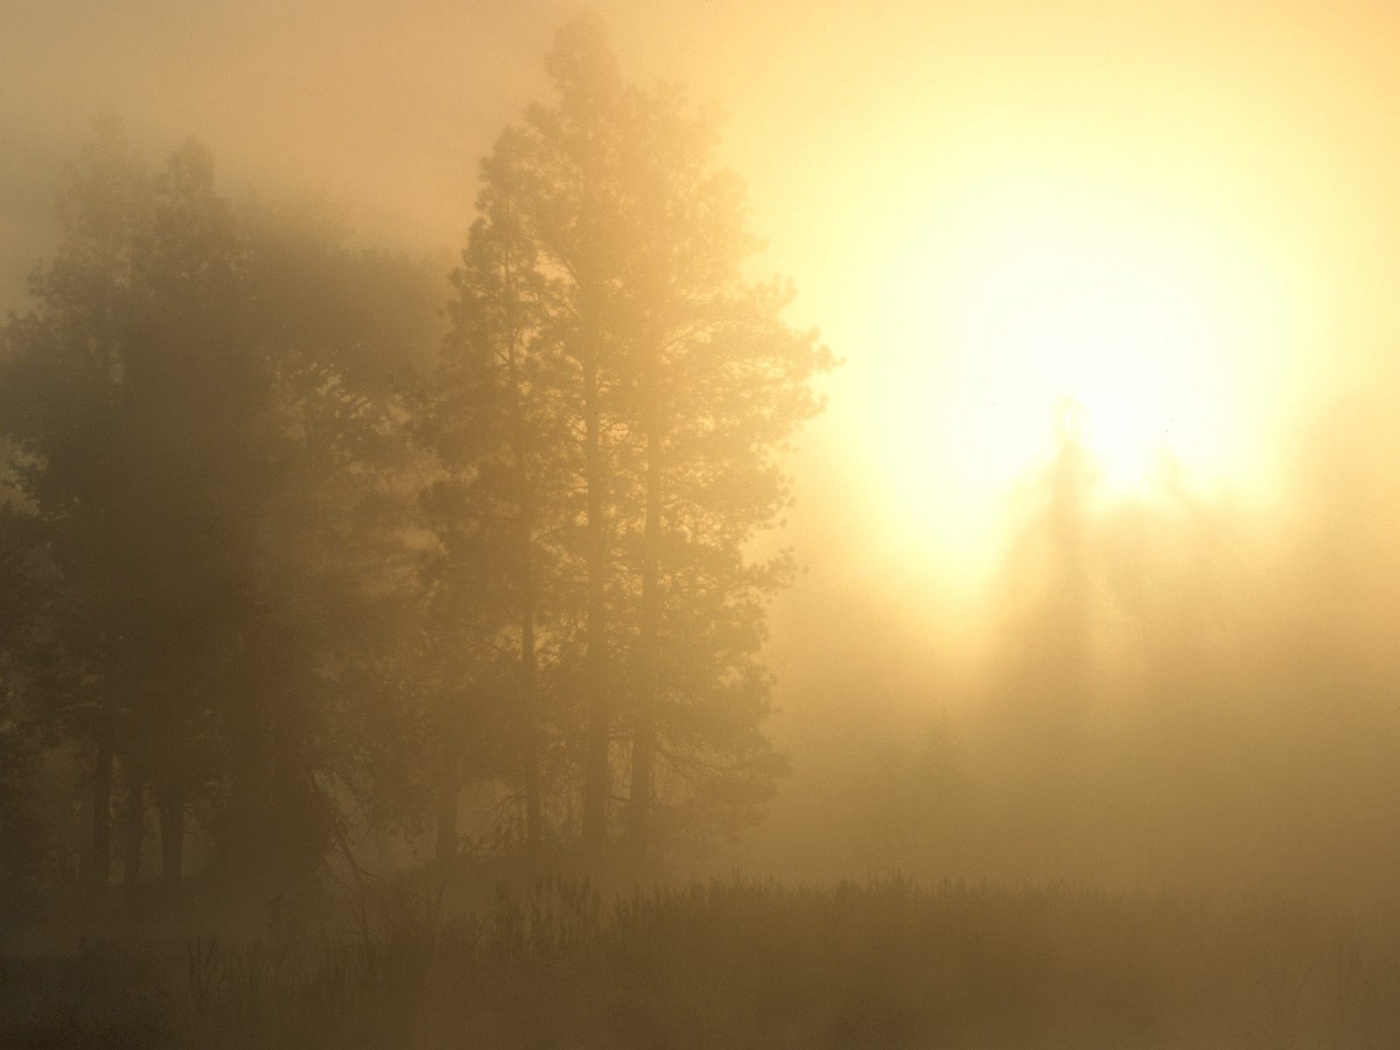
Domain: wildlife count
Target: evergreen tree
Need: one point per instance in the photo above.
(217, 463)
(674, 385)
(505, 441)
(64, 409)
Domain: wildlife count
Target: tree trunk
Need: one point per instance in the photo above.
(449, 792)
(529, 661)
(135, 829)
(172, 835)
(529, 697)
(597, 775)
(100, 858)
(639, 803)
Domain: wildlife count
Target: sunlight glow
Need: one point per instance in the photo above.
(1160, 313)
(1053, 312)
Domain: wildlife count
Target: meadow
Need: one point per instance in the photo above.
(735, 963)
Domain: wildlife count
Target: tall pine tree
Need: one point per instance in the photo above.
(673, 387)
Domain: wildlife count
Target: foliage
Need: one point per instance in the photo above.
(645, 389)
(280, 572)
(201, 422)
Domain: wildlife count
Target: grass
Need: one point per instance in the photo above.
(740, 964)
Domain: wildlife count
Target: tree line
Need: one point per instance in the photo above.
(282, 558)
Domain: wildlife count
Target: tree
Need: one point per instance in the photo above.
(131, 399)
(22, 832)
(720, 383)
(675, 385)
(62, 406)
(314, 721)
(565, 174)
(202, 423)
(500, 430)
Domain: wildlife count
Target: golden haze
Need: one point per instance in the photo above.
(1179, 217)
(1161, 210)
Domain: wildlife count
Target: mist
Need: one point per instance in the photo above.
(762, 487)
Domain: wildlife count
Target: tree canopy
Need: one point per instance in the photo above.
(277, 570)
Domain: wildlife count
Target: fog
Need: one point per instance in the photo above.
(846, 126)
(1043, 537)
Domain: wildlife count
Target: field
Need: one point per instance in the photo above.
(735, 964)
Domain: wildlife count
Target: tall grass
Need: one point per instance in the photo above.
(743, 963)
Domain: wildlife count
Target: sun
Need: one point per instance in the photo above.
(1057, 309)
(1004, 302)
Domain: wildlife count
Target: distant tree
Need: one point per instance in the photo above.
(1052, 557)
(314, 718)
(1036, 727)
(203, 420)
(63, 408)
(129, 394)
(23, 836)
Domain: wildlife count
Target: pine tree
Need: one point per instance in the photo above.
(217, 472)
(503, 438)
(64, 408)
(678, 385)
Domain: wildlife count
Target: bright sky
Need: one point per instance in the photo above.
(1184, 218)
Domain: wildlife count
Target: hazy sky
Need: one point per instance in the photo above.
(1183, 216)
